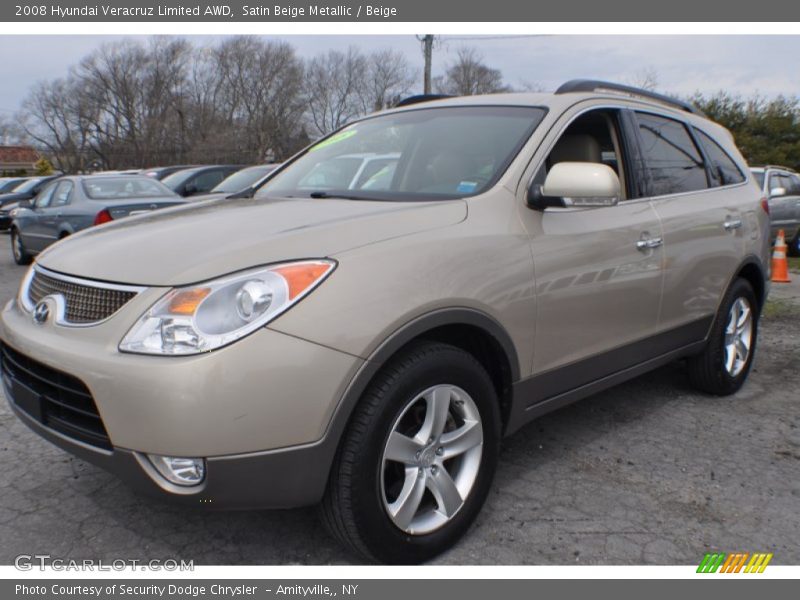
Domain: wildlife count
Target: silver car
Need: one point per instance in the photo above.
(69, 204)
(366, 347)
(781, 187)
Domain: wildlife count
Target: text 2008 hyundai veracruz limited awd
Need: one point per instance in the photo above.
(362, 337)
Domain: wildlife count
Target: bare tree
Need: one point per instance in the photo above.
(260, 92)
(335, 88)
(645, 78)
(468, 76)
(56, 117)
(243, 99)
(388, 80)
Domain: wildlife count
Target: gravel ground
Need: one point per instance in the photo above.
(649, 472)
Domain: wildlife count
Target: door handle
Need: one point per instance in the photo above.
(649, 243)
(731, 224)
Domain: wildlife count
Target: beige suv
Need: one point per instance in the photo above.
(366, 347)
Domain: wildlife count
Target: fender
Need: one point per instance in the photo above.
(319, 455)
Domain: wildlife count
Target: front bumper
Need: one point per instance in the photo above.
(258, 410)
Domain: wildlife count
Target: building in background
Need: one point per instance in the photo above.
(18, 160)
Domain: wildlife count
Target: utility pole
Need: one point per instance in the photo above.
(427, 51)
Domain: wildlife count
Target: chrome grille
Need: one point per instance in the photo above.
(83, 303)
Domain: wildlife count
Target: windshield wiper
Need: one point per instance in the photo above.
(337, 196)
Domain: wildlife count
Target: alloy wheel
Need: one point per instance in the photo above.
(431, 459)
(738, 336)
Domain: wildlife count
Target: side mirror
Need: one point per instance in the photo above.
(777, 192)
(576, 184)
(25, 204)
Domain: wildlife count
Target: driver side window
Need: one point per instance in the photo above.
(593, 137)
(45, 197)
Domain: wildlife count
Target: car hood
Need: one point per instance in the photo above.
(195, 242)
(6, 199)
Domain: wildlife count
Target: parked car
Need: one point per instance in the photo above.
(781, 186)
(200, 180)
(71, 204)
(367, 349)
(162, 172)
(352, 172)
(7, 184)
(24, 191)
(119, 172)
(239, 183)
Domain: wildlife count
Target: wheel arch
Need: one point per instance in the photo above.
(752, 271)
(472, 330)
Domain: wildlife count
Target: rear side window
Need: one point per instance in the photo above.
(788, 182)
(723, 170)
(672, 161)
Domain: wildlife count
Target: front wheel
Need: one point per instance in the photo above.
(722, 368)
(417, 460)
(21, 256)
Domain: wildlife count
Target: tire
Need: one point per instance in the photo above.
(367, 485)
(722, 368)
(21, 256)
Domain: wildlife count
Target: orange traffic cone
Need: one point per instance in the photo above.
(780, 268)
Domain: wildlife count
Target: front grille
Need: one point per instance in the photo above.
(58, 401)
(83, 303)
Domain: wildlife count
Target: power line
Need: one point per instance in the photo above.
(472, 38)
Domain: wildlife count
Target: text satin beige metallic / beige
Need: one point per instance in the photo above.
(365, 345)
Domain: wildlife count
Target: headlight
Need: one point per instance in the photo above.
(195, 319)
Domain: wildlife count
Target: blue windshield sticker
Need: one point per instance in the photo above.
(466, 187)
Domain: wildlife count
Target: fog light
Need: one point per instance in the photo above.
(180, 471)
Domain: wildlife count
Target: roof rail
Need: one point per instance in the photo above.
(781, 167)
(591, 85)
(420, 98)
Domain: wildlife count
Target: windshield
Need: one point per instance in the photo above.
(124, 188)
(242, 179)
(9, 184)
(28, 185)
(422, 154)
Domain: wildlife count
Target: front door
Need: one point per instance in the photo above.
(598, 271)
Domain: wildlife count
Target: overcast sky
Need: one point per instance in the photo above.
(683, 64)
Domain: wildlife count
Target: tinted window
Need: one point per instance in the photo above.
(789, 184)
(424, 154)
(206, 181)
(723, 170)
(123, 188)
(673, 162)
(795, 179)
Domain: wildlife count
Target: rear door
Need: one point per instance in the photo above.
(54, 215)
(702, 220)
